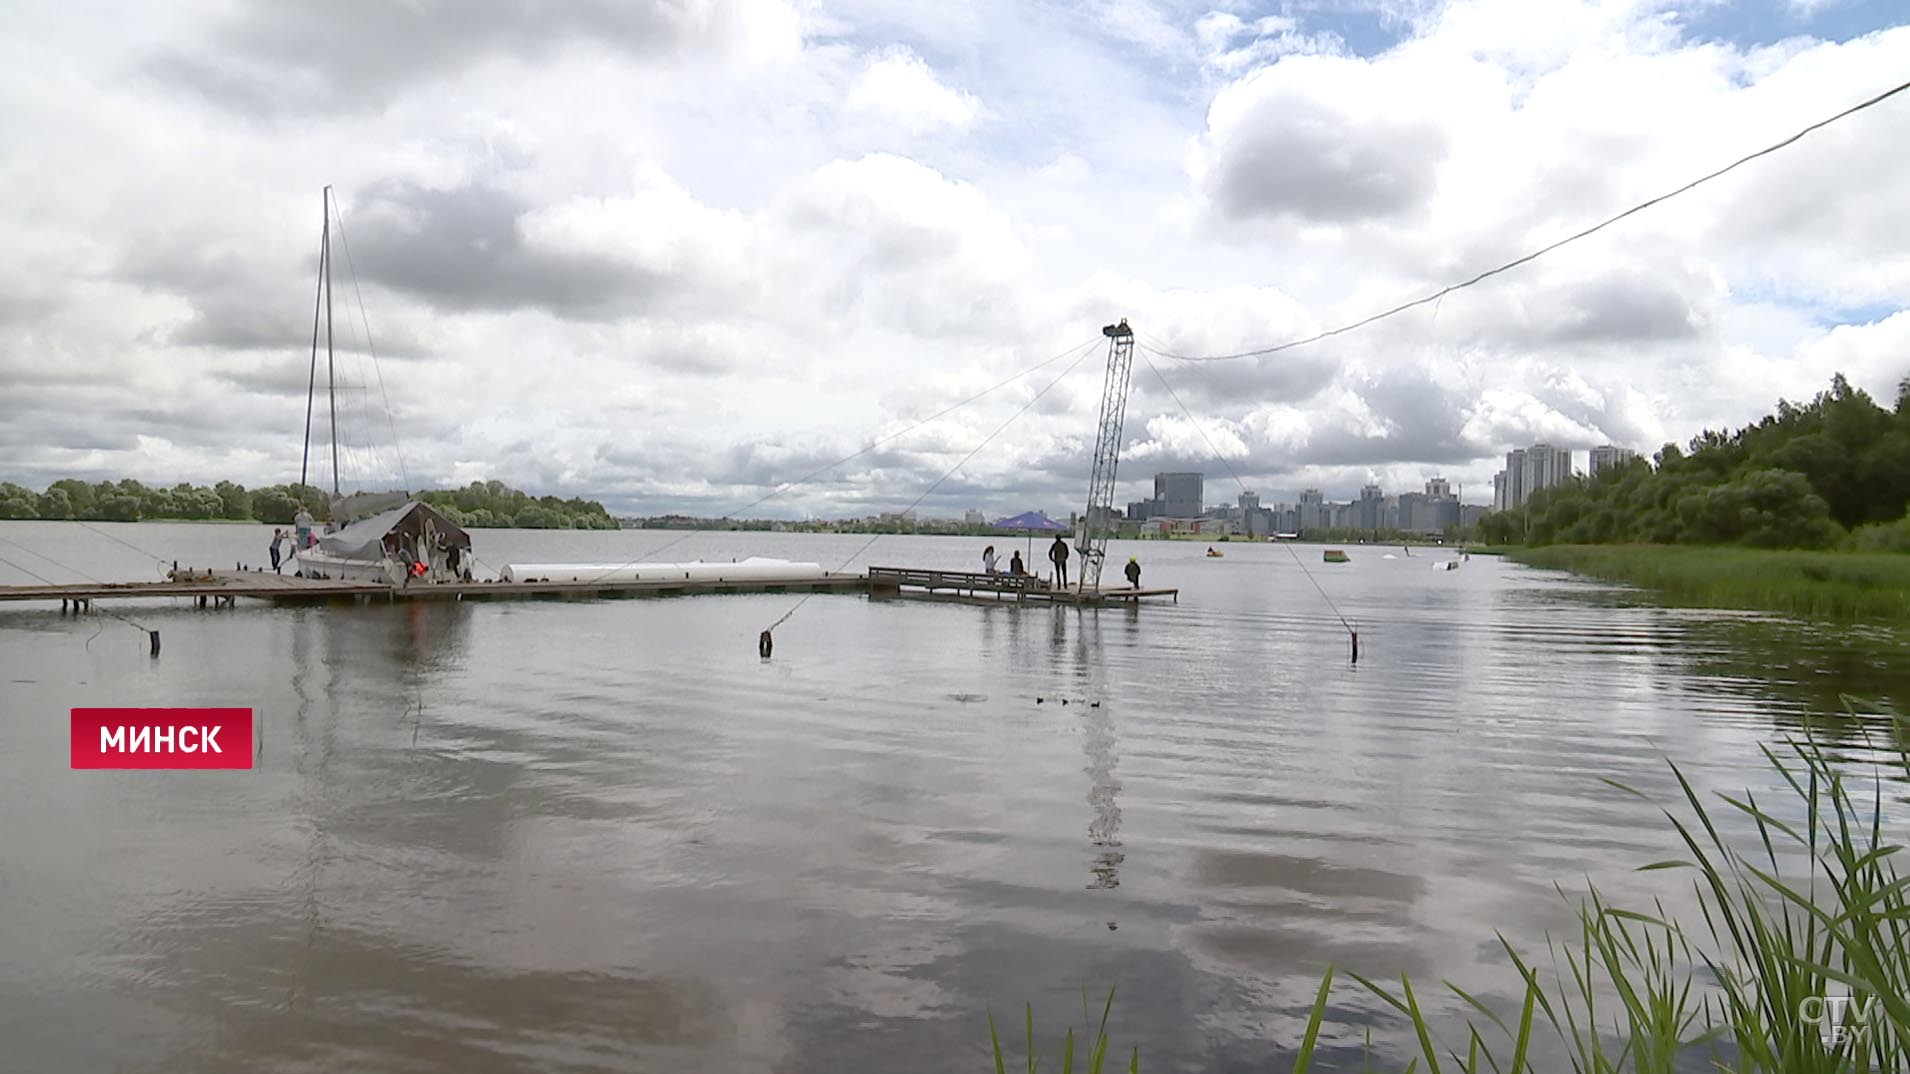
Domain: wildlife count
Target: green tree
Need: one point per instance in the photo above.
(1766, 508)
(119, 508)
(17, 502)
(274, 505)
(79, 494)
(55, 503)
(234, 501)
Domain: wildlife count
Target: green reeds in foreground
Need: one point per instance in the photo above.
(1629, 991)
(1094, 1057)
(1784, 974)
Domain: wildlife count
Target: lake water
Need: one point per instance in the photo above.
(607, 836)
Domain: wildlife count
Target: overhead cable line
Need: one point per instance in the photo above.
(1243, 487)
(820, 470)
(1543, 250)
(151, 634)
(764, 638)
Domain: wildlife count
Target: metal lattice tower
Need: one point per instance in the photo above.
(1097, 525)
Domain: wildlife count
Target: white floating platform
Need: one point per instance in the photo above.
(753, 569)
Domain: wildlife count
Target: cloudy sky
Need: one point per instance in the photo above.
(671, 253)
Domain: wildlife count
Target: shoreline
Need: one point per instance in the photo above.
(1831, 586)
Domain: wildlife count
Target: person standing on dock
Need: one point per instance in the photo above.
(278, 538)
(988, 560)
(1058, 555)
(1133, 572)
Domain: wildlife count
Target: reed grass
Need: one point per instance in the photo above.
(1094, 1058)
(1839, 586)
(1808, 908)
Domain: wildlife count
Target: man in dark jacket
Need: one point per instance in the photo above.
(1058, 555)
(1133, 572)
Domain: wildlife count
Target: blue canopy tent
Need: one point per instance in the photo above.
(1030, 523)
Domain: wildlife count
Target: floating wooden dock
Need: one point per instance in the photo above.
(224, 588)
(1021, 588)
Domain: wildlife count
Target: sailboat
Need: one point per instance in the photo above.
(386, 537)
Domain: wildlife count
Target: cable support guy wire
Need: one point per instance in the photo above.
(1543, 250)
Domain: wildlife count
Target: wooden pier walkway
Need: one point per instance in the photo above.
(972, 585)
(224, 588)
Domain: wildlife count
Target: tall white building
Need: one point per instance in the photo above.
(1312, 509)
(1608, 455)
(1527, 470)
(1545, 466)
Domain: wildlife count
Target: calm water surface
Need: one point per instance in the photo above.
(606, 836)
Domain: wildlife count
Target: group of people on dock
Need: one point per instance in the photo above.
(1058, 554)
(302, 537)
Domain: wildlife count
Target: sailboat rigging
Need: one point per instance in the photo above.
(404, 540)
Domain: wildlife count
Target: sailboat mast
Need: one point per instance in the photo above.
(311, 382)
(331, 371)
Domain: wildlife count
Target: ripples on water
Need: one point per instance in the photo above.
(606, 836)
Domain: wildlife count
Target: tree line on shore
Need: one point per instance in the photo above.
(481, 504)
(1830, 473)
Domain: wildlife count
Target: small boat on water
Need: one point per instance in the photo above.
(1211, 554)
(1335, 555)
(753, 569)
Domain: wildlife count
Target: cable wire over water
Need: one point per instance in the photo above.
(1243, 487)
(1543, 250)
(142, 628)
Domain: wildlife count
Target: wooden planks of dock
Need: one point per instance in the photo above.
(224, 588)
(209, 588)
(1022, 588)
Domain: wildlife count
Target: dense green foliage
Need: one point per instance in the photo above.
(1834, 471)
(130, 501)
(479, 504)
(495, 504)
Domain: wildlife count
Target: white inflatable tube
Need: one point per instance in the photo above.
(753, 569)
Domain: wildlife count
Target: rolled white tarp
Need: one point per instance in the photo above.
(753, 569)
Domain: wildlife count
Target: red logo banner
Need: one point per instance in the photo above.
(162, 738)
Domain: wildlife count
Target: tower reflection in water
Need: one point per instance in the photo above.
(1104, 786)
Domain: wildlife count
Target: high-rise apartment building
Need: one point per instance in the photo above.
(1179, 495)
(1371, 507)
(1253, 520)
(1527, 470)
(1608, 456)
(1312, 510)
(1546, 466)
